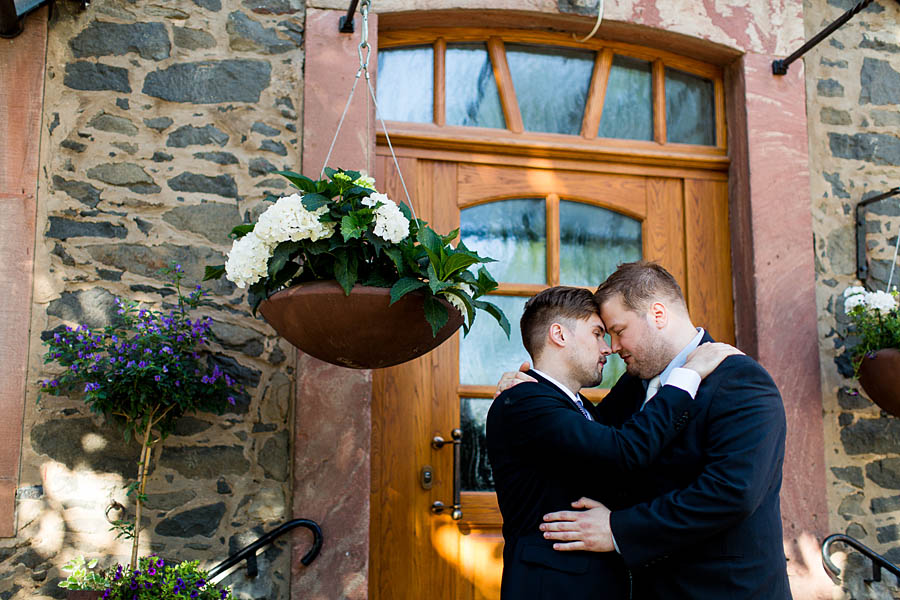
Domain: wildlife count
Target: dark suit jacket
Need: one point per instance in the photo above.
(544, 455)
(706, 520)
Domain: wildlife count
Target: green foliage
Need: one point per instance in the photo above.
(874, 322)
(82, 575)
(371, 242)
(156, 579)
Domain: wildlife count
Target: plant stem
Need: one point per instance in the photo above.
(143, 472)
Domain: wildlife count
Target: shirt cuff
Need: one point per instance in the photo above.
(615, 545)
(685, 379)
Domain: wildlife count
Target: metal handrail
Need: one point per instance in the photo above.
(878, 561)
(248, 553)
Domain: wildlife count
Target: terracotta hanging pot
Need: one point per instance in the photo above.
(360, 331)
(879, 375)
(83, 595)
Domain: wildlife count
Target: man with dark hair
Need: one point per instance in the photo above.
(546, 448)
(703, 521)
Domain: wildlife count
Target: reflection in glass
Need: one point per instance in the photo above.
(514, 233)
(485, 354)
(593, 242)
(690, 109)
(475, 467)
(551, 86)
(471, 92)
(628, 105)
(406, 84)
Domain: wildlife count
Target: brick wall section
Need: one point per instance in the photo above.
(161, 125)
(853, 90)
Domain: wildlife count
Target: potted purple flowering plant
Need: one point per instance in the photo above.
(142, 373)
(156, 579)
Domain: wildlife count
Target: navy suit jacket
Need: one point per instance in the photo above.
(705, 520)
(544, 455)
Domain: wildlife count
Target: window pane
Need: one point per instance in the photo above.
(406, 84)
(514, 233)
(471, 91)
(628, 106)
(690, 109)
(551, 86)
(475, 468)
(593, 242)
(485, 354)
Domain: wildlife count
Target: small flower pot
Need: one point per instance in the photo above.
(879, 375)
(359, 331)
(83, 594)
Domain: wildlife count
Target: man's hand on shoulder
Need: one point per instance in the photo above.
(707, 357)
(514, 378)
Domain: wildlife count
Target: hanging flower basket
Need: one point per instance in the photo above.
(879, 375)
(353, 278)
(361, 330)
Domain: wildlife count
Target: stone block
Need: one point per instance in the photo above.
(196, 136)
(63, 229)
(260, 166)
(850, 399)
(210, 82)
(275, 456)
(830, 88)
(876, 148)
(112, 123)
(885, 472)
(884, 505)
(79, 190)
(100, 38)
(878, 44)
(95, 76)
(213, 220)
(203, 521)
(247, 35)
(263, 129)
(94, 307)
(220, 185)
(235, 337)
(274, 7)
(852, 505)
(169, 500)
(62, 441)
(274, 147)
(879, 83)
(193, 39)
(220, 158)
(213, 5)
(831, 116)
(204, 462)
(872, 436)
(159, 123)
(121, 174)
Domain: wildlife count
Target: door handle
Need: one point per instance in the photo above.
(437, 443)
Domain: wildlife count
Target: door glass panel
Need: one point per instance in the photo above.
(406, 84)
(690, 109)
(475, 467)
(593, 242)
(471, 91)
(551, 86)
(514, 232)
(485, 354)
(628, 105)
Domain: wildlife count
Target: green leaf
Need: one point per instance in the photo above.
(495, 312)
(345, 265)
(329, 172)
(280, 256)
(353, 226)
(396, 256)
(450, 236)
(434, 282)
(405, 286)
(213, 272)
(301, 182)
(436, 314)
(256, 294)
(486, 283)
(458, 261)
(284, 275)
(432, 246)
(239, 231)
(314, 201)
(467, 302)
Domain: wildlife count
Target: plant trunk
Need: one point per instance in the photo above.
(143, 471)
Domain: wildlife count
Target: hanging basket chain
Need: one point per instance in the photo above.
(364, 51)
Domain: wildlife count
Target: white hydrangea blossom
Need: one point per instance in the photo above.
(853, 301)
(390, 224)
(247, 260)
(366, 182)
(882, 302)
(288, 219)
(854, 290)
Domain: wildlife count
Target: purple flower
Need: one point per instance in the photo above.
(160, 563)
(91, 387)
(231, 400)
(156, 378)
(223, 594)
(195, 594)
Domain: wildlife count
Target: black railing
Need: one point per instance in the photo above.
(862, 265)
(248, 553)
(878, 561)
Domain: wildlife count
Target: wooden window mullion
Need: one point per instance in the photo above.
(594, 109)
(505, 84)
(659, 102)
(719, 103)
(553, 239)
(440, 85)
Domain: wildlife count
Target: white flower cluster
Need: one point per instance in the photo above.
(456, 300)
(881, 302)
(285, 220)
(390, 224)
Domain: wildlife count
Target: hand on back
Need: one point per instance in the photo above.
(514, 378)
(707, 357)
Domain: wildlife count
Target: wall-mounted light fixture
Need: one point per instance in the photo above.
(862, 266)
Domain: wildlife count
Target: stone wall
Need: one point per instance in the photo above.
(853, 91)
(162, 123)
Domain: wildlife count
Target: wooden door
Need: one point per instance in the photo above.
(415, 553)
